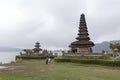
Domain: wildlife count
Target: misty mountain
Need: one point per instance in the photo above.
(104, 46)
(9, 49)
(99, 47)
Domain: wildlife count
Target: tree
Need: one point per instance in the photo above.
(115, 47)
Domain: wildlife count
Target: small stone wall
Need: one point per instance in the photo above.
(86, 55)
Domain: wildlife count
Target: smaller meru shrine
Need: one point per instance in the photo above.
(37, 48)
(35, 51)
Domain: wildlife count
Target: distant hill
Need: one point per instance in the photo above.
(9, 49)
(97, 48)
(104, 46)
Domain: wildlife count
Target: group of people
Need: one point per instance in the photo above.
(48, 60)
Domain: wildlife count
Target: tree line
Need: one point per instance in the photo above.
(115, 47)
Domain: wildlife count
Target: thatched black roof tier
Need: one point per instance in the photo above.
(81, 44)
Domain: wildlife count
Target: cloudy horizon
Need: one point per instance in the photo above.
(54, 23)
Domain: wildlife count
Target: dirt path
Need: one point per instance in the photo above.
(6, 68)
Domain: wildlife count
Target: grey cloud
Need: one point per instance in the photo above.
(54, 23)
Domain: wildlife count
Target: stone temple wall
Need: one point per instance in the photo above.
(84, 55)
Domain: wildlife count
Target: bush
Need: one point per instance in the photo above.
(0, 62)
(62, 60)
(89, 61)
(111, 63)
(19, 60)
(32, 57)
(12, 62)
(109, 56)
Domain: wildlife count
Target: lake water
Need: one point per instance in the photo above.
(7, 57)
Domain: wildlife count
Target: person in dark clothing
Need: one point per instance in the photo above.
(47, 60)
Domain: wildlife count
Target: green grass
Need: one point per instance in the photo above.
(38, 70)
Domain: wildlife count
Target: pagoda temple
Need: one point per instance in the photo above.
(37, 48)
(83, 43)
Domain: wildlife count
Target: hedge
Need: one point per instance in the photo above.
(89, 61)
(32, 57)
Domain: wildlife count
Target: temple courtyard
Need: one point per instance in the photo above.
(38, 70)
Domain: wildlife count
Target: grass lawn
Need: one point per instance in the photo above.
(38, 70)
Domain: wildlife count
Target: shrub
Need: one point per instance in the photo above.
(12, 62)
(109, 56)
(62, 60)
(19, 60)
(0, 62)
(111, 63)
(32, 57)
(89, 61)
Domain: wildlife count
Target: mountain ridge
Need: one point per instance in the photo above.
(99, 47)
(9, 49)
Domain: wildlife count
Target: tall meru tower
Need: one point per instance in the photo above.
(83, 43)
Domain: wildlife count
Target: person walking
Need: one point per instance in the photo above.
(47, 60)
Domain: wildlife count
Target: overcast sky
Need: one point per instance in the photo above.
(54, 23)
